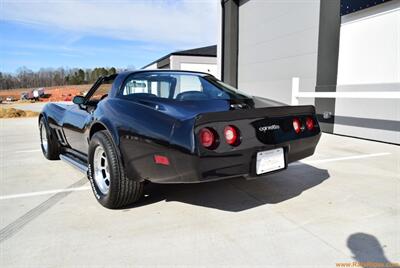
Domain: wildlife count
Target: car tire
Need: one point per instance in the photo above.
(48, 141)
(110, 185)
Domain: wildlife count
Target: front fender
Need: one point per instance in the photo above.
(53, 113)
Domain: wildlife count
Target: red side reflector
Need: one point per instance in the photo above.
(297, 125)
(309, 123)
(161, 160)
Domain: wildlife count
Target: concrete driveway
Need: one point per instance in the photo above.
(340, 206)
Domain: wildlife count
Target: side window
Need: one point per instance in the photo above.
(101, 92)
(148, 85)
(136, 86)
(188, 83)
(164, 89)
(179, 86)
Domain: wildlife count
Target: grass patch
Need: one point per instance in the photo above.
(13, 113)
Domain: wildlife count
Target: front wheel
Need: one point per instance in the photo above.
(110, 185)
(48, 141)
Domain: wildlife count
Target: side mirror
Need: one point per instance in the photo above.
(78, 100)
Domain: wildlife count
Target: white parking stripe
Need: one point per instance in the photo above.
(55, 191)
(28, 151)
(352, 157)
(85, 188)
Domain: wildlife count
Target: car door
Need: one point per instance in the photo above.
(78, 118)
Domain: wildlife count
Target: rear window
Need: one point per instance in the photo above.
(178, 86)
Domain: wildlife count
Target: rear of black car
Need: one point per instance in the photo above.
(234, 143)
(254, 142)
(199, 129)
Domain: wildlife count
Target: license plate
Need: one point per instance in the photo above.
(271, 160)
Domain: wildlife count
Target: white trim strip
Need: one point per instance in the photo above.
(353, 157)
(295, 90)
(350, 95)
(55, 191)
(28, 151)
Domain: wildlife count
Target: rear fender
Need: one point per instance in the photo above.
(108, 126)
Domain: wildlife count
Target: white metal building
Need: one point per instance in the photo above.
(202, 59)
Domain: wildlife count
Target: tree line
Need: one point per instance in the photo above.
(48, 77)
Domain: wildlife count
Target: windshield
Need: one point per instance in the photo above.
(178, 86)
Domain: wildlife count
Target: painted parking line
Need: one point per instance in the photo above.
(49, 192)
(344, 158)
(28, 151)
(85, 188)
(17, 225)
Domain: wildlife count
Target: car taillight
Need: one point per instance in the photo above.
(232, 136)
(309, 123)
(297, 125)
(208, 138)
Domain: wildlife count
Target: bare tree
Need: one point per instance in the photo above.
(46, 77)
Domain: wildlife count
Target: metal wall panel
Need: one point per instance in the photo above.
(278, 40)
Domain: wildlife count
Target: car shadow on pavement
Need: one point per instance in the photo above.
(238, 194)
(367, 251)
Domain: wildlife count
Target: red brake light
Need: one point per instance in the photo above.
(297, 125)
(231, 134)
(207, 138)
(309, 123)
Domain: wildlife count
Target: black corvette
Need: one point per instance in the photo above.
(172, 127)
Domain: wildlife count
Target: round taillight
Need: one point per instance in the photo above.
(207, 138)
(297, 125)
(309, 123)
(231, 134)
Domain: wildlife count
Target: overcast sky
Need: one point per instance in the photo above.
(89, 33)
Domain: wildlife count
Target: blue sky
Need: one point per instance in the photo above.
(87, 34)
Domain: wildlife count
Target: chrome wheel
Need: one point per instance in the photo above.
(101, 170)
(43, 138)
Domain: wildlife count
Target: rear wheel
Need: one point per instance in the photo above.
(48, 141)
(110, 185)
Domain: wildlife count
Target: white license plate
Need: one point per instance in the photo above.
(271, 160)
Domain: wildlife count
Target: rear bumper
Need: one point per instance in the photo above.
(189, 168)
